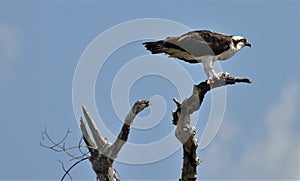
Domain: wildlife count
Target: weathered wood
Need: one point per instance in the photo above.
(100, 142)
(113, 151)
(103, 155)
(185, 133)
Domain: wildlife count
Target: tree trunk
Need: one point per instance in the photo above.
(185, 133)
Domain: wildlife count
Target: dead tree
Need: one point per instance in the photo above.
(185, 133)
(102, 152)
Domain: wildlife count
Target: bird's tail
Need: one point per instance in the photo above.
(155, 47)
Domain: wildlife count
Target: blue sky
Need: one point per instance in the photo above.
(41, 43)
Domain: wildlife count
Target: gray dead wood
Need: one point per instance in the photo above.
(185, 133)
(102, 152)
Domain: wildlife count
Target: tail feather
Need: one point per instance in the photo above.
(155, 47)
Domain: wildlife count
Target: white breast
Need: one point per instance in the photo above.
(225, 55)
(228, 53)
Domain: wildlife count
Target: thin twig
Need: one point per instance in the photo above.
(44, 133)
(67, 171)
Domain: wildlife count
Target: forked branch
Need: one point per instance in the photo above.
(185, 133)
(102, 152)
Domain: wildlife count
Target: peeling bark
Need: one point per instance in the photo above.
(102, 152)
(185, 133)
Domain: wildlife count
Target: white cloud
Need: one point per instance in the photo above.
(275, 154)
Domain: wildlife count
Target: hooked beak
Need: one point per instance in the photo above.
(248, 44)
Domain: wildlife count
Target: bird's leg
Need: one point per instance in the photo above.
(212, 70)
(206, 70)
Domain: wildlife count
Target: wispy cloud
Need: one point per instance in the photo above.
(9, 50)
(8, 42)
(274, 155)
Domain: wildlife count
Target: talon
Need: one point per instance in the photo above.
(226, 74)
(210, 80)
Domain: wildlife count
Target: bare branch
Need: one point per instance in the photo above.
(67, 172)
(84, 153)
(102, 155)
(113, 151)
(177, 102)
(54, 144)
(100, 142)
(202, 88)
(59, 146)
(102, 161)
(185, 133)
(88, 141)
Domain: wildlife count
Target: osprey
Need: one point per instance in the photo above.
(201, 46)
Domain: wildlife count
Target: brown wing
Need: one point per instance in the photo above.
(216, 41)
(190, 45)
(171, 49)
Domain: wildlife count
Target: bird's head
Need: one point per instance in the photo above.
(239, 42)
